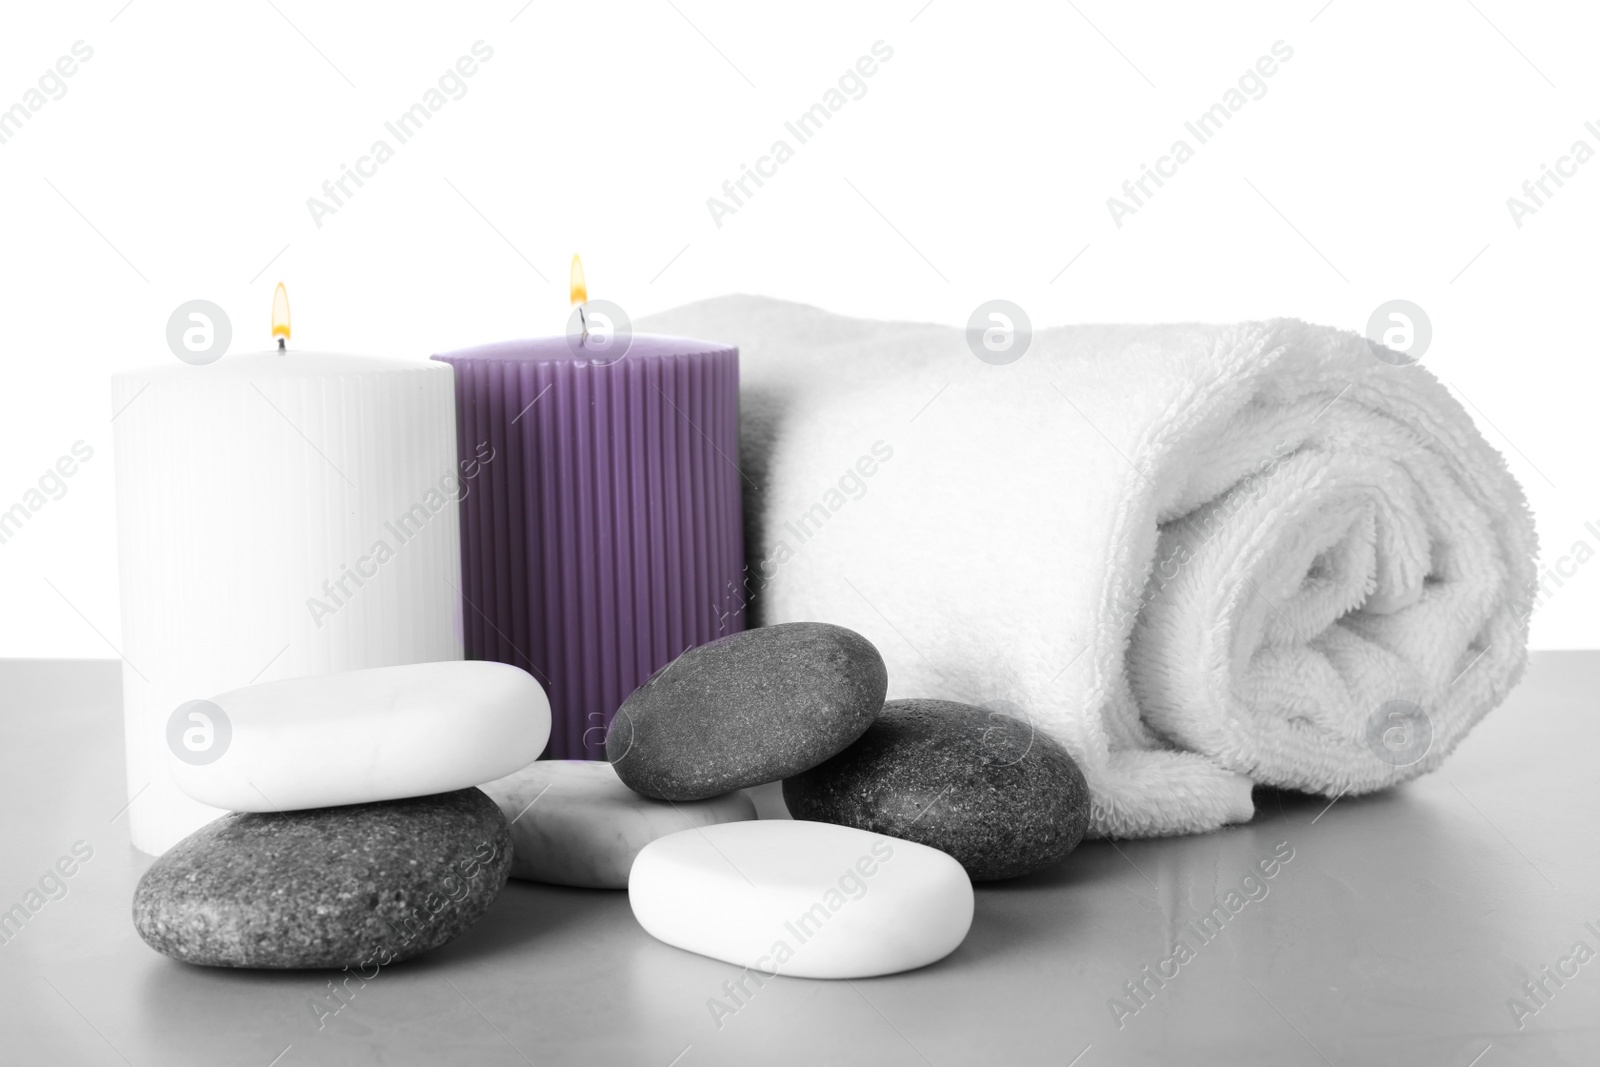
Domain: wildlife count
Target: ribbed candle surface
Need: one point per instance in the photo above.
(604, 537)
(277, 516)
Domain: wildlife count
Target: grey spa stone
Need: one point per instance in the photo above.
(746, 709)
(355, 886)
(1001, 797)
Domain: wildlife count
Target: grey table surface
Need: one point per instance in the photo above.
(1399, 933)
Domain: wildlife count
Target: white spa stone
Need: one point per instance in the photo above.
(359, 736)
(803, 899)
(573, 822)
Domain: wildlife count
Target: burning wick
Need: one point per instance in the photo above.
(580, 295)
(280, 317)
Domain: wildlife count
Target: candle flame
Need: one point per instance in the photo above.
(579, 291)
(280, 313)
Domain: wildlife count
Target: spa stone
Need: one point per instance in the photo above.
(747, 709)
(360, 736)
(574, 823)
(802, 899)
(361, 886)
(1001, 797)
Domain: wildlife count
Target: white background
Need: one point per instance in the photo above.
(1377, 166)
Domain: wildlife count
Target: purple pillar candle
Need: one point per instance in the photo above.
(601, 533)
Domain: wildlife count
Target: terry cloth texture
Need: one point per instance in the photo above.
(1201, 557)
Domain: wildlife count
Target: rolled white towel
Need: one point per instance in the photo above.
(1201, 557)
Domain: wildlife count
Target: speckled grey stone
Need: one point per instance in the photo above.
(999, 796)
(746, 709)
(358, 886)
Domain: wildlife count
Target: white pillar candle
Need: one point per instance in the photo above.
(278, 515)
